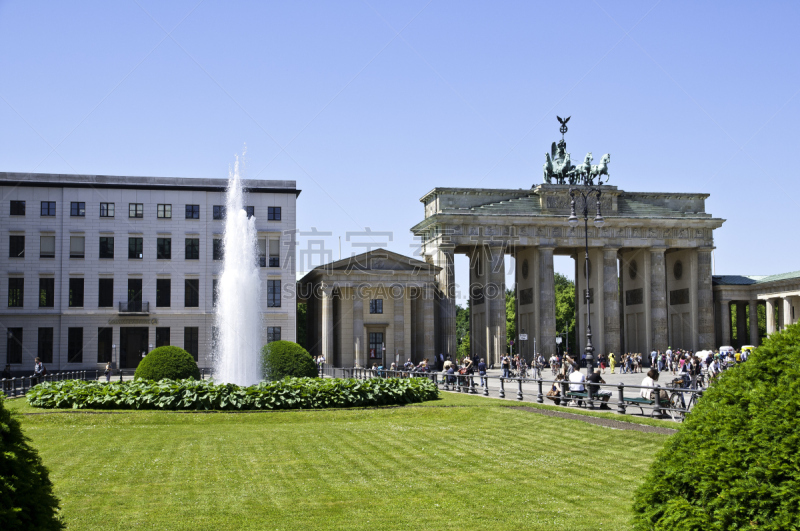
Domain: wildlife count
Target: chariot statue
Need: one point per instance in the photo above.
(558, 167)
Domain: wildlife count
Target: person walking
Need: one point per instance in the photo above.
(39, 369)
(505, 365)
(482, 372)
(611, 362)
(107, 372)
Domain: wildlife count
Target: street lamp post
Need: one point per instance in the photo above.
(585, 192)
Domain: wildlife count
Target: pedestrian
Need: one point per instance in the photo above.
(107, 372)
(594, 380)
(39, 370)
(482, 371)
(505, 365)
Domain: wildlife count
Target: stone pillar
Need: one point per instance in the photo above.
(725, 323)
(754, 323)
(327, 323)
(770, 316)
(447, 287)
(705, 301)
(495, 297)
(786, 313)
(658, 300)
(547, 303)
(741, 323)
(611, 328)
(429, 334)
(399, 294)
(359, 348)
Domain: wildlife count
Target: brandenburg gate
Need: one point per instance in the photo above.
(649, 277)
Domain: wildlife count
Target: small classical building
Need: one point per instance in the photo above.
(377, 307)
(780, 294)
(99, 268)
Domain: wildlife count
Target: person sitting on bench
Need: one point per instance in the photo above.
(594, 389)
(576, 380)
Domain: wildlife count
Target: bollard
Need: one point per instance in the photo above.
(502, 390)
(657, 413)
(621, 403)
(485, 386)
(120, 376)
(14, 386)
(540, 396)
(472, 389)
(589, 395)
(519, 388)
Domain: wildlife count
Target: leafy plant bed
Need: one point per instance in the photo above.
(290, 393)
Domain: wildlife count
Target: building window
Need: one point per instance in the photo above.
(17, 208)
(14, 345)
(376, 345)
(135, 210)
(191, 295)
(105, 293)
(273, 213)
(192, 211)
(214, 292)
(135, 246)
(106, 210)
(164, 249)
(47, 246)
(16, 292)
(273, 293)
(376, 306)
(16, 246)
(163, 293)
(251, 211)
(106, 247)
(273, 333)
(48, 208)
(75, 345)
(104, 341)
(217, 249)
(76, 293)
(45, 347)
(192, 249)
(162, 336)
(164, 211)
(262, 252)
(219, 212)
(191, 335)
(47, 290)
(77, 209)
(274, 253)
(77, 246)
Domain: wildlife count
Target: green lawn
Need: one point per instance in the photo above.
(476, 465)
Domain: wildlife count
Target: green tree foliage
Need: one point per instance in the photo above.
(735, 463)
(511, 317)
(565, 308)
(284, 358)
(463, 348)
(462, 331)
(26, 493)
(170, 362)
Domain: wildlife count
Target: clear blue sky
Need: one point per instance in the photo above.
(368, 104)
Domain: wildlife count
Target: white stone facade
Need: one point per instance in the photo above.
(33, 311)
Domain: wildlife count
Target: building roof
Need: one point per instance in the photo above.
(61, 180)
(376, 260)
(746, 280)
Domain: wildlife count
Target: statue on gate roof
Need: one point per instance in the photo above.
(558, 165)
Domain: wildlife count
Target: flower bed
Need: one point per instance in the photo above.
(291, 393)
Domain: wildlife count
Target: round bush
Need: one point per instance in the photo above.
(26, 494)
(735, 462)
(167, 362)
(284, 358)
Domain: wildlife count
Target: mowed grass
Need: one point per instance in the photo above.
(470, 464)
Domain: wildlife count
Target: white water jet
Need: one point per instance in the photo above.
(238, 294)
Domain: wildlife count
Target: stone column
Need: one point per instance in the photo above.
(725, 322)
(705, 301)
(398, 293)
(429, 334)
(786, 305)
(658, 300)
(495, 297)
(359, 348)
(611, 328)
(770, 316)
(447, 287)
(547, 303)
(741, 323)
(754, 323)
(327, 323)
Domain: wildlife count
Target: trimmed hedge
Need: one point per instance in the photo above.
(281, 359)
(290, 393)
(167, 363)
(735, 463)
(26, 493)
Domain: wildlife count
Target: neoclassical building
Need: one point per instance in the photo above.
(650, 267)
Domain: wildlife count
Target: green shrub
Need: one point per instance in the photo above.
(290, 393)
(26, 494)
(735, 462)
(171, 363)
(280, 359)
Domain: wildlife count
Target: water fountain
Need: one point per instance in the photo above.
(238, 294)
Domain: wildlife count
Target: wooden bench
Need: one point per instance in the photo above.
(640, 403)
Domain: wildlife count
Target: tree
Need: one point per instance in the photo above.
(565, 308)
(511, 317)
